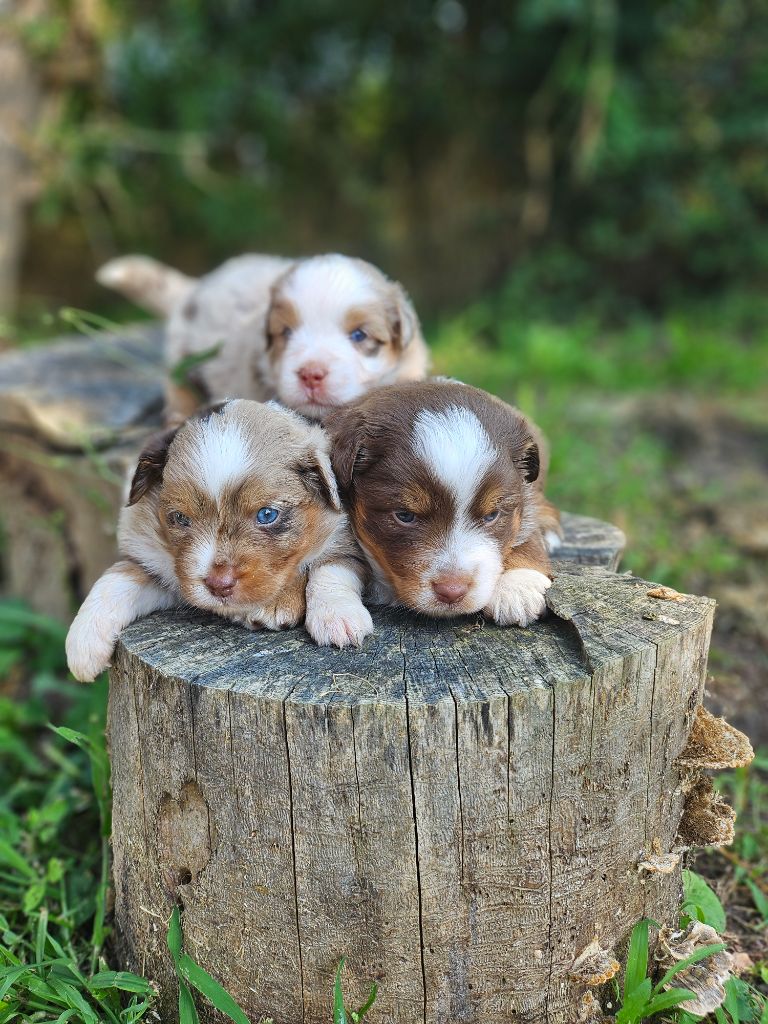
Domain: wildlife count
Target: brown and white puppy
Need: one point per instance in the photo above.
(442, 483)
(313, 333)
(235, 512)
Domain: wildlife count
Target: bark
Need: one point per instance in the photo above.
(458, 809)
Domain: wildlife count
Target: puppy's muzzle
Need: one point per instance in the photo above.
(451, 589)
(221, 580)
(312, 375)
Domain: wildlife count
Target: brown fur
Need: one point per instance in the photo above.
(379, 474)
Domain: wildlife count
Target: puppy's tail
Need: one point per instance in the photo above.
(148, 283)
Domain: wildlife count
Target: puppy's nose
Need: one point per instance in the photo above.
(221, 580)
(450, 589)
(312, 374)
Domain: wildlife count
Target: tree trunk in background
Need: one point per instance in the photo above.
(18, 105)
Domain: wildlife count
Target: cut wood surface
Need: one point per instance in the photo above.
(458, 809)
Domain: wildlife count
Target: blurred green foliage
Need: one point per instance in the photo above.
(621, 146)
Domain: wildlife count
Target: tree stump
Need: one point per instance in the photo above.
(458, 809)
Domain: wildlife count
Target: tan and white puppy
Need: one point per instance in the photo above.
(313, 333)
(235, 512)
(443, 485)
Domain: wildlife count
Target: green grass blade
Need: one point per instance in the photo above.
(669, 999)
(123, 980)
(339, 1013)
(12, 859)
(637, 958)
(187, 1008)
(700, 954)
(174, 935)
(210, 988)
(369, 1002)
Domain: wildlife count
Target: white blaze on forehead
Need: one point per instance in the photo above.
(219, 454)
(326, 287)
(455, 447)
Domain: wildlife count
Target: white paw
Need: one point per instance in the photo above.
(519, 597)
(553, 540)
(89, 650)
(272, 617)
(338, 621)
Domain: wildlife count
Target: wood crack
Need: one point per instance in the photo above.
(293, 856)
(415, 825)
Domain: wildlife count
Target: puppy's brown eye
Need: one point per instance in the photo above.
(404, 516)
(179, 519)
(491, 517)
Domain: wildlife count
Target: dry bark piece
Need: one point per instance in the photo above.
(659, 863)
(590, 1010)
(594, 966)
(707, 978)
(707, 819)
(665, 594)
(714, 744)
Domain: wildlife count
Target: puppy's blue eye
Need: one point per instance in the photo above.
(287, 332)
(491, 517)
(179, 519)
(357, 335)
(266, 516)
(404, 516)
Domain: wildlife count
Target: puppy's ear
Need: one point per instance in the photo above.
(530, 463)
(349, 455)
(317, 474)
(149, 471)
(403, 320)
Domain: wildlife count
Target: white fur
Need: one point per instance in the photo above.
(323, 290)
(335, 612)
(218, 455)
(553, 540)
(116, 600)
(518, 598)
(456, 448)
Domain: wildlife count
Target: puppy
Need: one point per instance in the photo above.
(443, 485)
(313, 333)
(236, 512)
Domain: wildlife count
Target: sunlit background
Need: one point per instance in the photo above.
(575, 193)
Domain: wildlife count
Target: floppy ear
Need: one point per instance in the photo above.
(316, 472)
(529, 462)
(403, 319)
(149, 471)
(346, 428)
(525, 455)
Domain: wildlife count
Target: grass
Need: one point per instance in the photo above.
(603, 390)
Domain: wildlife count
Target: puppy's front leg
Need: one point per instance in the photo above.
(123, 594)
(519, 596)
(284, 611)
(336, 614)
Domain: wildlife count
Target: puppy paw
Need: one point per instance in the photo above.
(338, 621)
(274, 616)
(519, 597)
(88, 653)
